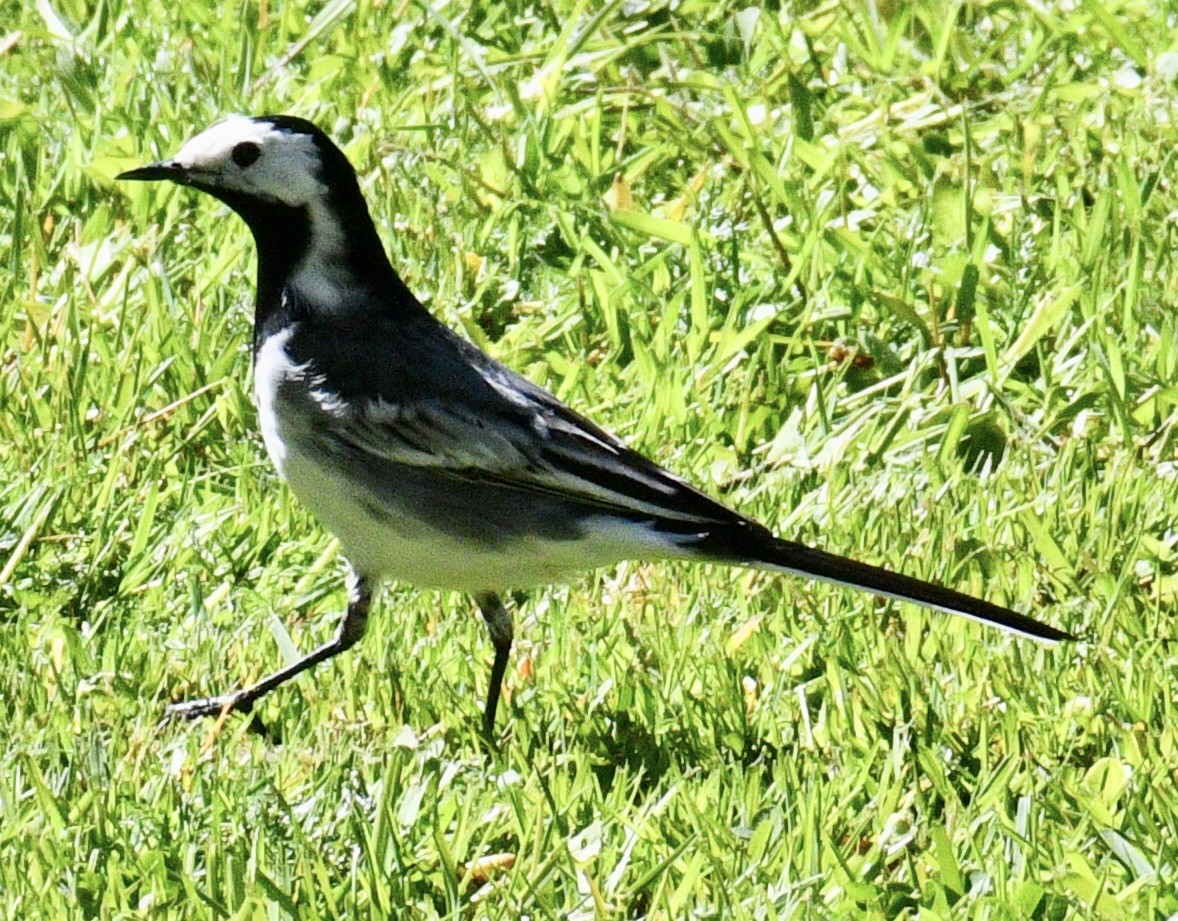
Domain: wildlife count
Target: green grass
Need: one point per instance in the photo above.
(897, 279)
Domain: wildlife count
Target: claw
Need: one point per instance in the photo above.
(209, 706)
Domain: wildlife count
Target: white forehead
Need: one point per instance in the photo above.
(288, 168)
(214, 145)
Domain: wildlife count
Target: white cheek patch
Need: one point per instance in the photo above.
(287, 170)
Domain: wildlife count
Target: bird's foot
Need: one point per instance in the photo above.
(211, 706)
(221, 706)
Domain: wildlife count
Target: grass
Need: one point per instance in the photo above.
(897, 279)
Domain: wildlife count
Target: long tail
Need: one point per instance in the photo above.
(764, 551)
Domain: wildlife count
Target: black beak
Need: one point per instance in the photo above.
(164, 169)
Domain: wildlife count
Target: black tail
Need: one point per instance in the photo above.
(764, 551)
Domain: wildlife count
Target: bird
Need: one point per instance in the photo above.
(432, 463)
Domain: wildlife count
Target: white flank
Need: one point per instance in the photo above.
(272, 368)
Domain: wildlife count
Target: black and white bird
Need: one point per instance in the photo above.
(432, 463)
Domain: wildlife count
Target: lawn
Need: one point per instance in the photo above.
(896, 279)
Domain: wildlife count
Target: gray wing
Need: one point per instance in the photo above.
(415, 397)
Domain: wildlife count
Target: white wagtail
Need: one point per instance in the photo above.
(432, 463)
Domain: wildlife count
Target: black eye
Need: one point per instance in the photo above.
(246, 153)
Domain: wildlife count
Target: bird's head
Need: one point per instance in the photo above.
(273, 160)
(298, 194)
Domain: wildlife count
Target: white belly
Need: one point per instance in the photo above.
(407, 549)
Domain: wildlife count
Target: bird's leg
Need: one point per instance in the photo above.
(498, 623)
(350, 631)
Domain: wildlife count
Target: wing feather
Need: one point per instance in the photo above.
(526, 446)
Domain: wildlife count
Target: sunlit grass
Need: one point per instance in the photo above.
(893, 278)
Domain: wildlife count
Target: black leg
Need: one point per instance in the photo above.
(499, 626)
(350, 631)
